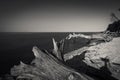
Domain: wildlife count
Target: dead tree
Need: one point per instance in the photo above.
(114, 17)
(46, 67)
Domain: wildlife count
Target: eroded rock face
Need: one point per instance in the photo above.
(103, 58)
(98, 55)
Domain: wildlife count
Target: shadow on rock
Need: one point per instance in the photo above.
(98, 74)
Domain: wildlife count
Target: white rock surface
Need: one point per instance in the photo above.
(94, 55)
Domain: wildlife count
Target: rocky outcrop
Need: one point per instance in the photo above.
(103, 58)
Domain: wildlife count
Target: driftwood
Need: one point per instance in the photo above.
(74, 53)
(49, 66)
(46, 67)
(56, 50)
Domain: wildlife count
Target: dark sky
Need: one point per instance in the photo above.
(57, 15)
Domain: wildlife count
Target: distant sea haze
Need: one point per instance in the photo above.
(17, 46)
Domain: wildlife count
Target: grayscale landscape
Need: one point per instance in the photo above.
(60, 40)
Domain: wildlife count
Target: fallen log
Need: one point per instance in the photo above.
(74, 53)
(46, 67)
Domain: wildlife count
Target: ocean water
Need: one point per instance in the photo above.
(16, 47)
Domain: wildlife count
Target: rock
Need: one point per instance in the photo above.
(103, 58)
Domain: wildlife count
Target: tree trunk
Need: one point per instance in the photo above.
(46, 67)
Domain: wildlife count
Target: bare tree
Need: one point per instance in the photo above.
(114, 17)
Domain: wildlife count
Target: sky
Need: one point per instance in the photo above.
(56, 15)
